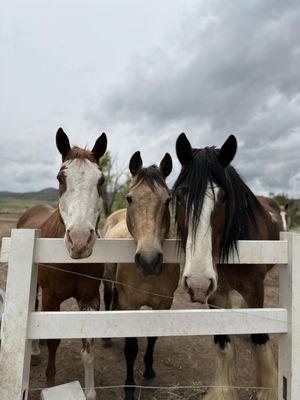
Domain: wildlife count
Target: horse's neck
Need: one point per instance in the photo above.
(53, 227)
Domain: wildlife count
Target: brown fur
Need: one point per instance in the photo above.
(248, 280)
(145, 226)
(80, 154)
(58, 286)
(147, 220)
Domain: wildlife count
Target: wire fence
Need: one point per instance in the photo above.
(239, 311)
(164, 388)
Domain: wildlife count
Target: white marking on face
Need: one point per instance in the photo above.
(80, 204)
(273, 216)
(199, 274)
(283, 217)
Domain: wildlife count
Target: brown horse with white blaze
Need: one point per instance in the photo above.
(149, 282)
(75, 219)
(215, 209)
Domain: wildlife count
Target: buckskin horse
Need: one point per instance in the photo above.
(215, 209)
(75, 219)
(149, 282)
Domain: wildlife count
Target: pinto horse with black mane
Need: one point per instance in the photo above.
(75, 219)
(215, 209)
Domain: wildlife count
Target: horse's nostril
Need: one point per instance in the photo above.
(69, 237)
(137, 257)
(160, 257)
(92, 231)
(211, 287)
(185, 285)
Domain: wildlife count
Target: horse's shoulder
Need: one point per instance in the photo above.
(35, 217)
(114, 223)
(118, 231)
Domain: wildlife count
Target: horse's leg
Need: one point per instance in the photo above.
(149, 373)
(108, 301)
(51, 304)
(108, 295)
(87, 352)
(35, 349)
(87, 356)
(130, 352)
(52, 345)
(223, 385)
(266, 369)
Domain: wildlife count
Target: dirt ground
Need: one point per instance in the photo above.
(178, 361)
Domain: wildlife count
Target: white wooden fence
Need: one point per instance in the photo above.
(21, 324)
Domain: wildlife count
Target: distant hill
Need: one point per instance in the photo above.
(48, 194)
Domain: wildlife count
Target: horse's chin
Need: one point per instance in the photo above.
(197, 297)
(78, 256)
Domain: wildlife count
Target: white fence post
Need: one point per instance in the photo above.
(19, 301)
(289, 344)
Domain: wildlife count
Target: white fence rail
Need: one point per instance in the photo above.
(21, 324)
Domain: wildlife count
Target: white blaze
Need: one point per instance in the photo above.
(198, 269)
(283, 217)
(80, 204)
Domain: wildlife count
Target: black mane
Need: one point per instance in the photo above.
(241, 206)
(151, 176)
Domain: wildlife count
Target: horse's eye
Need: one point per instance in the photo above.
(60, 179)
(168, 202)
(129, 199)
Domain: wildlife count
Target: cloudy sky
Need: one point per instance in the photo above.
(143, 72)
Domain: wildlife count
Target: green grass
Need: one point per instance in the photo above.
(17, 206)
(295, 229)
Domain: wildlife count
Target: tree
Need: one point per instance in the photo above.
(116, 184)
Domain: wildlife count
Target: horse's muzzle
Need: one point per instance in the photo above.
(197, 293)
(149, 263)
(79, 244)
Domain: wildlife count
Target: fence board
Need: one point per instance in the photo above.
(122, 250)
(144, 323)
(19, 301)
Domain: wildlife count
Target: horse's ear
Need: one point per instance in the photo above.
(227, 151)
(62, 143)
(135, 163)
(100, 147)
(183, 149)
(166, 165)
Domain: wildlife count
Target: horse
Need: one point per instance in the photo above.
(149, 282)
(286, 219)
(214, 208)
(75, 219)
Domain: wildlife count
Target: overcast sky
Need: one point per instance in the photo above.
(143, 72)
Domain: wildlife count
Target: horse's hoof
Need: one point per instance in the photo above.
(35, 360)
(149, 374)
(106, 343)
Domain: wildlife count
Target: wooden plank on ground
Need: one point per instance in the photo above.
(68, 391)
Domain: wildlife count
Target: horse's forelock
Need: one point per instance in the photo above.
(241, 206)
(77, 153)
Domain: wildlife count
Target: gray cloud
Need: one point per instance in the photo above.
(230, 67)
(144, 73)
